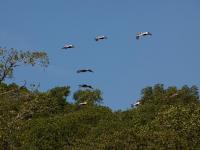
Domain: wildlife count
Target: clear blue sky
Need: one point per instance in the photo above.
(122, 65)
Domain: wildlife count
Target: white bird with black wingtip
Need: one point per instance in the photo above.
(100, 37)
(83, 103)
(142, 34)
(66, 46)
(137, 103)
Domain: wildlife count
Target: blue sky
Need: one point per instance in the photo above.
(122, 65)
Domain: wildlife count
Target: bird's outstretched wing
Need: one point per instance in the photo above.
(90, 70)
(149, 33)
(84, 70)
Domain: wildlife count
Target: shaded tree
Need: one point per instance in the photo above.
(194, 91)
(171, 90)
(147, 94)
(158, 89)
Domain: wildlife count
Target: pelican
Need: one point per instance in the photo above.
(140, 34)
(83, 103)
(100, 37)
(66, 46)
(86, 86)
(84, 70)
(137, 103)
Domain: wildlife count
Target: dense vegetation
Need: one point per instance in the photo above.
(30, 119)
(33, 120)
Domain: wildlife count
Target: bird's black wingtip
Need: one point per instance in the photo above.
(89, 70)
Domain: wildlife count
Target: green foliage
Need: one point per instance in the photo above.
(92, 97)
(12, 58)
(45, 120)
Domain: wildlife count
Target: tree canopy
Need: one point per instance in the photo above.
(12, 58)
(166, 118)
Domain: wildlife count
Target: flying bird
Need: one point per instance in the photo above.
(100, 37)
(137, 103)
(84, 70)
(140, 34)
(66, 46)
(83, 103)
(86, 86)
